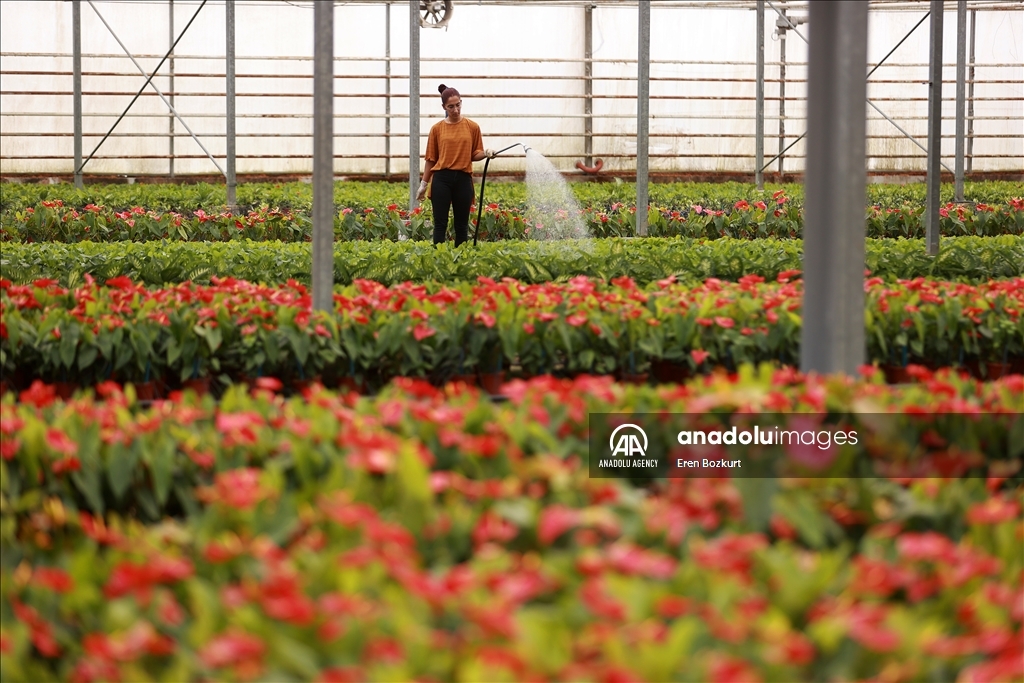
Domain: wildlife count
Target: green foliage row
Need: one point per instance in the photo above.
(968, 259)
(359, 195)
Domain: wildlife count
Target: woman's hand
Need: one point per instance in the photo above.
(422, 191)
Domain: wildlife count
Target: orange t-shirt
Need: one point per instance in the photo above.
(452, 145)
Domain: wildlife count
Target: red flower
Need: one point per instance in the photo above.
(238, 488)
(929, 546)
(269, 384)
(576, 320)
(732, 670)
(491, 527)
(59, 442)
(993, 511)
(342, 675)
(555, 521)
(699, 355)
(423, 331)
(387, 650)
(53, 578)
(120, 282)
(231, 648)
(724, 322)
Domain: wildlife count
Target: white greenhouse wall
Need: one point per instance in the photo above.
(494, 55)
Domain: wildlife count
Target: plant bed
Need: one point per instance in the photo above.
(53, 221)
(646, 260)
(235, 330)
(432, 534)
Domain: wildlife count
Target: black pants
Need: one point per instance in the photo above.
(454, 190)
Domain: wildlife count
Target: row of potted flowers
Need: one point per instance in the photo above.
(116, 453)
(242, 330)
(431, 534)
(51, 221)
(645, 260)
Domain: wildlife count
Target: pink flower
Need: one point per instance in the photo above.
(576, 320)
(993, 511)
(231, 648)
(813, 446)
(699, 355)
(59, 441)
(423, 331)
(555, 520)
(929, 546)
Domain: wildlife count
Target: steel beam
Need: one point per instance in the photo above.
(782, 101)
(76, 42)
(414, 102)
(170, 88)
(588, 85)
(759, 96)
(643, 92)
(832, 335)
(933, 175)
(387, 90)
(961, 94)
(229, 116)
(323, 156)
(970, 95)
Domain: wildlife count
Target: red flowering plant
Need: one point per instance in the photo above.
(243, 330)
(430, 533)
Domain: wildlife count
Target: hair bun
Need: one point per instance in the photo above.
(441, 88)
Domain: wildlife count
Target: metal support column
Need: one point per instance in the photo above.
(759, 96)
(387, 90)
(933, 175)
(414, 102)
(970, 96)
(588, 85)
(782, 101)
(643, 92)
(323, 155)
(229, 70)
(170, 88)
(832, 335)
(961, 68)
(76, 43)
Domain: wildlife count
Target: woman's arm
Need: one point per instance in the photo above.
(428, 170)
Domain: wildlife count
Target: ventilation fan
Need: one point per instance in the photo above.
(435, 13)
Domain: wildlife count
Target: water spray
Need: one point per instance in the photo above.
(483, 181)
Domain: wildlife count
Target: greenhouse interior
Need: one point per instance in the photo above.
(494, 340)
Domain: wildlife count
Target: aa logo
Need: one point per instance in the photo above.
(628, 442)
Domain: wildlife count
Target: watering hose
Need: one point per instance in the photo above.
(483, 181)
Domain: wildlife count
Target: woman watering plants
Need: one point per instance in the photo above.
(452, 147)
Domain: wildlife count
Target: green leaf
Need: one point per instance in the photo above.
(161, 464)
(87, 479)
(757, 495)
(121, 463)
(296, 657)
